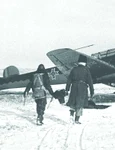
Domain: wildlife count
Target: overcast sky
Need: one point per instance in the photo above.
(31, 28)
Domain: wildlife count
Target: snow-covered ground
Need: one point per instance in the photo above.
(18, 129)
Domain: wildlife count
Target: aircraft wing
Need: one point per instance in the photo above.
(65, 59)
(107, 79)
(20, 81)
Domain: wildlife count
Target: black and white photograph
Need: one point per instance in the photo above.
(57, 75)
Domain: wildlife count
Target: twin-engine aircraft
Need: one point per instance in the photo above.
(101, 65)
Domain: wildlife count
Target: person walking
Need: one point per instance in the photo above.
(79, 80)
(39, 83)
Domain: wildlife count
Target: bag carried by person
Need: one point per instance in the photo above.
(38, 87)
(60, 95)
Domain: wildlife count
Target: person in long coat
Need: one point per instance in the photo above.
(78, 82)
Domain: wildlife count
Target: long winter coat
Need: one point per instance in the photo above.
(79, 80)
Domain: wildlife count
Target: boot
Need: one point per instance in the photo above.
(77, 119)
(39, 120)
(71, 113)
(72, 116)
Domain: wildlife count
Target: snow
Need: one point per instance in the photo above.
(18, 129)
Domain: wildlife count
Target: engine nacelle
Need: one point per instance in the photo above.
(10, 71)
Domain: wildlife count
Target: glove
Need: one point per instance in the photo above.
(53, 94)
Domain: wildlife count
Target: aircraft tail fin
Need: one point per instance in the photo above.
(64, 59)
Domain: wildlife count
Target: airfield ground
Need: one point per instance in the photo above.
(19, 131)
